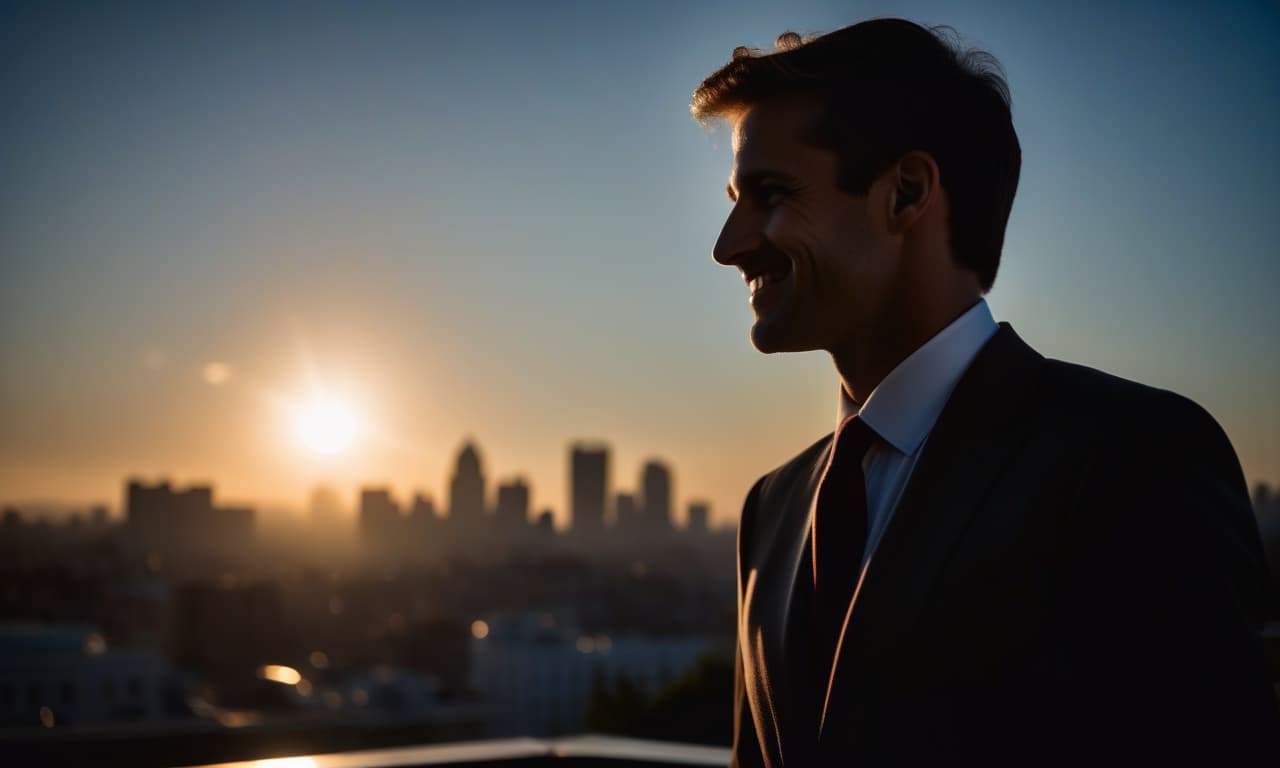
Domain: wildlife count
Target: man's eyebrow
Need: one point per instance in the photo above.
(752, 179)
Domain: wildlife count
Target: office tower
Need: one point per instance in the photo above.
(513, 505)
(589, 481)
(379, 515)
(325, 505)
(655, 482)
(699, 517)
(466, 490)
(546, 523)
(425, 534)
(146, 507)
(164, 518)
(423, 509)
(626, 516)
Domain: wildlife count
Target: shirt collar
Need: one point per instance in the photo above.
(903, 408)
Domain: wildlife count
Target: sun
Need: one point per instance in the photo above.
(326, 426)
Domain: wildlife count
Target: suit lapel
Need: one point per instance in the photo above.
(795, 645)
(969, 445)
(775, 629)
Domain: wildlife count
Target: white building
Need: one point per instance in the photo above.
(58, 676)
(535, 675)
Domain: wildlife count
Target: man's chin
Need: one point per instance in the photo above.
(770, 336)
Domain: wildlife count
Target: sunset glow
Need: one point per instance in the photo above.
(300, 235)
(326, 427)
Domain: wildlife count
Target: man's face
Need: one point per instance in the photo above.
(820, 264)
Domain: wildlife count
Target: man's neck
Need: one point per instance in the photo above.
(860, 377)
(863, 366)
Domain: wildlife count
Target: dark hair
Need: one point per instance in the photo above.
(888, 87)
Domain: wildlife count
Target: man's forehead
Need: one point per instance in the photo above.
(782, 121)
(775, 136)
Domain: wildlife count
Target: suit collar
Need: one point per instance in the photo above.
(903, 408)
(977, 430)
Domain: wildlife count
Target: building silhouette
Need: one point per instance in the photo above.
(512, 513)
(424, 529)
(423, 511)
(379, 516)
(545, 525)
(627, 515)
(324, 505)
(164, 518)
(655, 484)
(589, 484)
(466, 490)
(699, 518)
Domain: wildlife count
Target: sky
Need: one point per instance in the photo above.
(494, 220)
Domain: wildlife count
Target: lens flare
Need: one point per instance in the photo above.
(326, 427)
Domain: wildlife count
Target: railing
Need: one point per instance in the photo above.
(577, 750)
(152, 748)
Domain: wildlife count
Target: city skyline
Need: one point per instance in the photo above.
(495, 220)
(470, 495)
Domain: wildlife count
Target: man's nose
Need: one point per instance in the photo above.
(737, 236)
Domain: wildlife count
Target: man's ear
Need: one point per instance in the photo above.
(915, 185)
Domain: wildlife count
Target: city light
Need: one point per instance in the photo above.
(95, 644)
(280, 674)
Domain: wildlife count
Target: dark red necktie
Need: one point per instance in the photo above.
(839, 537)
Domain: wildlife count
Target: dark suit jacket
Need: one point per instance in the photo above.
(1073, 573)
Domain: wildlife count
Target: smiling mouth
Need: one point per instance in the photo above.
(760, 282)
(761, 278)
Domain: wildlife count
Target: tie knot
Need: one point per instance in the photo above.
(853, 437)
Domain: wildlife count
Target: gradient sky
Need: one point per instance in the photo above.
(495, 220)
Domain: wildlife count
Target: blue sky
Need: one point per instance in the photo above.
(495, 220)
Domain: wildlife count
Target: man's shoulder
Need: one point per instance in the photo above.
(801, 467)
(1132, 434)
(774, 486)
(1073, 390)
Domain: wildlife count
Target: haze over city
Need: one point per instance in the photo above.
(276, 247)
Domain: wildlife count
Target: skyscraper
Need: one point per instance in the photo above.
(423, 510)
(379, 516)
(655, 484)
(513, 505)
(325, 505)
(466, 490)
(589, 481)
(626, 516)
(163, 517)
(699, 517)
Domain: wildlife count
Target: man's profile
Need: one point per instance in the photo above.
(995, 555)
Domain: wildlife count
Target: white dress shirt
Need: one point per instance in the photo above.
(906, 404)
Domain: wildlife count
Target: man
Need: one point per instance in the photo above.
(996, 557)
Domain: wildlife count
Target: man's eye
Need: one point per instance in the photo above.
(772, 194)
